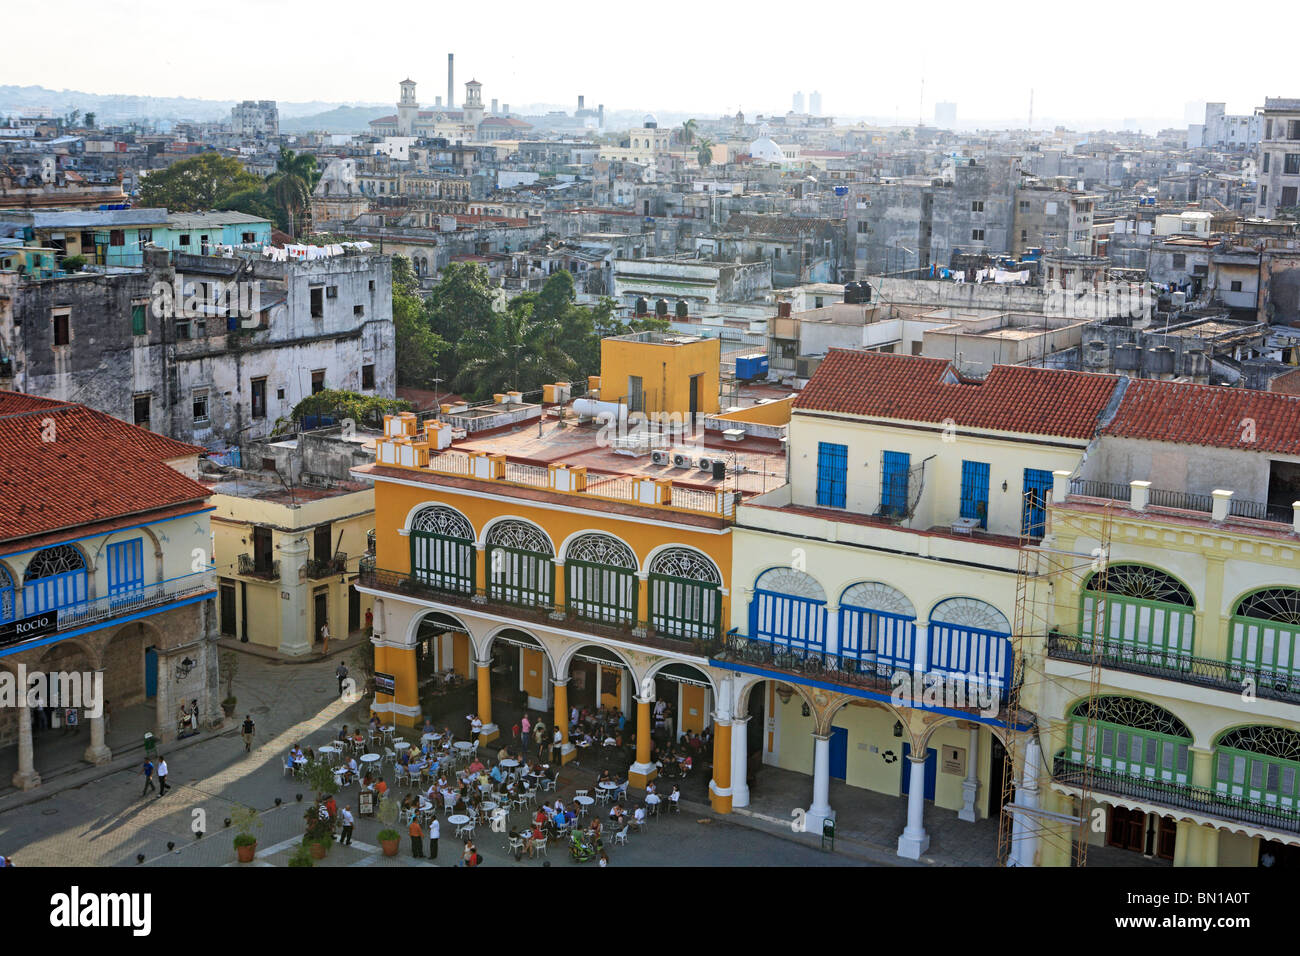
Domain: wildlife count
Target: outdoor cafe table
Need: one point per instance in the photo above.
(608, 785)
(328, 749)
(369, 758)
(463, 745)
(509, 763)
(401, 745)
(430, 738)
(585, 801)
(652, 799)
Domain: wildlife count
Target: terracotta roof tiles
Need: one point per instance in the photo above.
(1210, 415)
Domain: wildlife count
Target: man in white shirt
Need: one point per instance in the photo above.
(162, 777)
(433, 838)
(639, 816)
(345, 839)
(475, 727)
(557, 748)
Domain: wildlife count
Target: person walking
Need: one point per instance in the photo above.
(162, 776)
(345, 838)
(341, 672)
(417, 840)
(247, 733)
(434, 828)
(147, 770)
(325, 639)
(525, 729)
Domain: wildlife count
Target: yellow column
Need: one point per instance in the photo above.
(642, 603)
(400, 663)
(558, 599)
(643, 771)
(381, 667)
(480, 575)
(489, 731)
(720, 785)
(567, 753)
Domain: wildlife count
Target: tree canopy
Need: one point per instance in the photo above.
(417, 345)
(197, 184)
(339, 403)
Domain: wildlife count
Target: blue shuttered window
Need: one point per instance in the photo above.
(1037, 489)
(125, 567)
(832, 474)
(975, 491)
(894, 469)
(974, 656)
(794, 623)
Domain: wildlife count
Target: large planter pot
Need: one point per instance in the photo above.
(390, 847)
(318, 851)
(228, 709)
(246, 853)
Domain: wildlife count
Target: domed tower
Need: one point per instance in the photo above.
(407, 108)
(473, 103)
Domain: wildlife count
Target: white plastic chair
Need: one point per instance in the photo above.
(621, 835)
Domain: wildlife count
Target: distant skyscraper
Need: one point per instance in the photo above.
(798, 102)
(815, 103)
(945, 115)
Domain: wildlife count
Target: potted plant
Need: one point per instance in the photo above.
(245, 820)
(74, 263)
(301, 857)
(228, 706)
(389, 839)
(320, 833)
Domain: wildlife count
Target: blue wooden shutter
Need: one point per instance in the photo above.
(1037, 489)
(893, 489)
(832, 474)
(975, 491)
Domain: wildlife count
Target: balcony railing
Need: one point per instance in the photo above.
(1183, 500)
(1186, 669)
(324, 567)
(544, 614)
(134, 600)
(258, 569)
(876, 676)
(1186, 797)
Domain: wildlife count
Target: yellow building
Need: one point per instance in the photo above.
(287, 558)
(661, 373)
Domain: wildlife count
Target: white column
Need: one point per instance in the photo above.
(832, 630)
(914, 840)
(98, 752)
(921, 648)
(1024, 839)
(26, 778)
(296, 637)
(970, 787)
(739, 761)
(821, 802)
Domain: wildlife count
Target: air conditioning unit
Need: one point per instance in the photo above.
(706, 464)
(682, 461)
(659, 457)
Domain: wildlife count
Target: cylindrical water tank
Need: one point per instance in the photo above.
(592, 408)
(1127, 357)
(1160, 361)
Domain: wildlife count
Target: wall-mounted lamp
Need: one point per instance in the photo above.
(806, 711)
(183, 669)
(785, 692)
(1004, 486)
(898, 728)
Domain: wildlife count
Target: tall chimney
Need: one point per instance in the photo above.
(505, 109)
(580, 101)
(600, 113)
(494, 106)
(451, 79)
(437, 101)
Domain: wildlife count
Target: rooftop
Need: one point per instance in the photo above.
(1208, 415)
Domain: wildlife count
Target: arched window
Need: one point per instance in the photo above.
(1142, 613)
(685, 595)
(442, 549)
(1265, 638)
(970, 643)
(8, 606)
(1131, 737)
(789, 610)
(600, 579)
(520, 564)
(877, 628)
(55, 578)
(1259, 764)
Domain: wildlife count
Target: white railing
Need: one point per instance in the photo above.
(135, 599)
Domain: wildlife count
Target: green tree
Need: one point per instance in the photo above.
(689, 129)
(515, 350)
(461, 303)
(291, 184)
(417, 346)
(90, 120)
(199, 183)
(705, 155)
(340, 404)
(255, 202)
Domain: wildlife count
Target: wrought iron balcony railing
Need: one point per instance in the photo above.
(325, 567)
(1071, 773)
(258, 569)
(134, 600)
(544, 613)
(1184, 668)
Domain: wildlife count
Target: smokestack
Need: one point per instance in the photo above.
(580, 99)
(451, 79)
(437, 101)
(600, 112)
(494, 106)
(505, 109)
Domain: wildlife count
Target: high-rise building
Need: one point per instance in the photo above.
(798, 102)
(1277, 157)
(815, 103)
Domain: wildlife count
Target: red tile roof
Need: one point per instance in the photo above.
(95, 469)
(1013, 398)
(1213, 415)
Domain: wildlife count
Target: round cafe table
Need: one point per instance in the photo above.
(430, 738)
(652, 798)
(463, 745)
(458, 819)
(487, 806)
(426, 803)
(509, 763)
(585, 801)
(369, 758)
(327, 749)
(608, 785)
(401, 745)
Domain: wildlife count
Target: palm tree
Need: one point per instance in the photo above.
(291, 184)
(688, 131)
(705, 155)
(514, 350)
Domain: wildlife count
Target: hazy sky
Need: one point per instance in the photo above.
(1141, 59)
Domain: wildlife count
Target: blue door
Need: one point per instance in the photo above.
(125, 568)
(1038, 485)
(975, 491)
(931, 770)
(832, 474)
(150, 672)
(895, 466)
(839, 753)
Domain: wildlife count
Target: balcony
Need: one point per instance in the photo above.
(134, 600)
(1068, 773)
(1183, 501)
(543, 615)
(267, 570)
(1183, 668)
(324, 567)
(874, 676)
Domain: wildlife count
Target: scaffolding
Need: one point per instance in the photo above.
(1041, 573)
